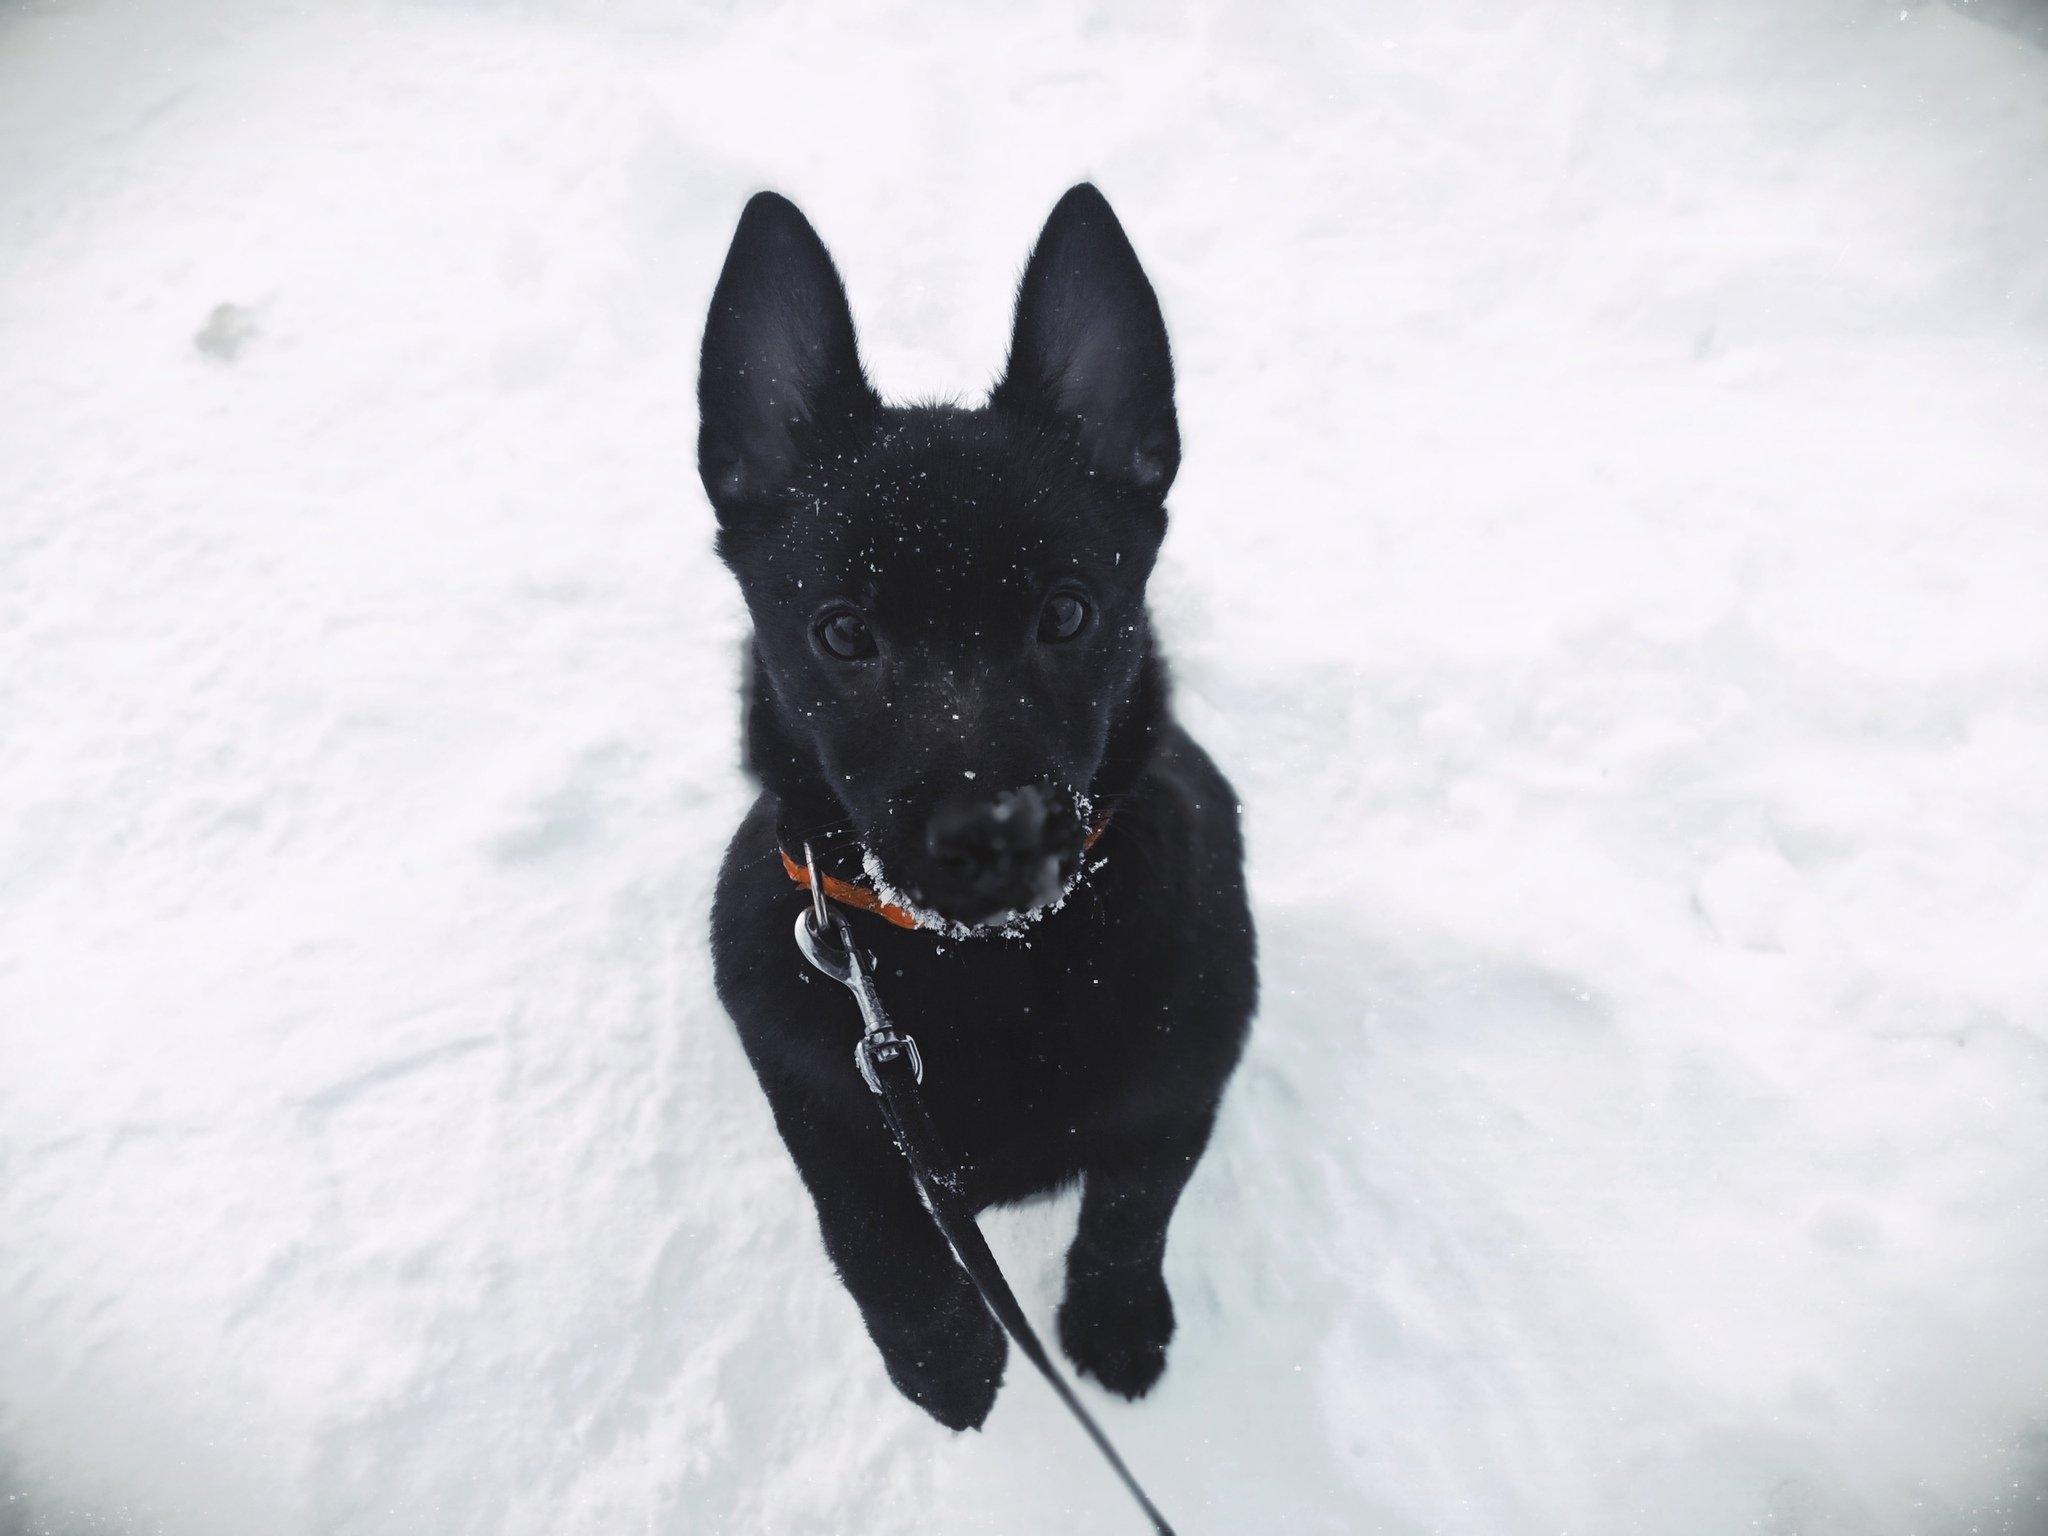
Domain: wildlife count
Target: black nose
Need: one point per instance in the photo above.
(1001, 854)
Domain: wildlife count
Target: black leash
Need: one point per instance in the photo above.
(888, 1060)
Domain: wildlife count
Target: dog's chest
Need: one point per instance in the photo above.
(1028, 1053)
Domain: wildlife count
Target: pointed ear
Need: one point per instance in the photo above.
(1090, 348)
(780, 366)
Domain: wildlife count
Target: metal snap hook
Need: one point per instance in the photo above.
(821, 918)
(823, 941)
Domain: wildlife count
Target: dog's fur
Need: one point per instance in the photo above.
(1079, 1007)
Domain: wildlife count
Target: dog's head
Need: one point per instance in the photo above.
(953, 666)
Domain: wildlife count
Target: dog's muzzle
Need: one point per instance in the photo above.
(1010, 853)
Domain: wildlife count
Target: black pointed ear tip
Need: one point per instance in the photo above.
(1083, 200)
(770, 213)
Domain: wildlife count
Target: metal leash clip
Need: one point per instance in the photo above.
(827, 942)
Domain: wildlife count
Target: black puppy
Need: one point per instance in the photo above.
(955, 701)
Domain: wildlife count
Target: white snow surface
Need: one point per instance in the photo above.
(1609, 560)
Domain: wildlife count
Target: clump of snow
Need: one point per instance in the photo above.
(1608, 562)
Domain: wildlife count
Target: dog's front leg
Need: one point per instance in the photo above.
(939, 1343)
(1117, 1318)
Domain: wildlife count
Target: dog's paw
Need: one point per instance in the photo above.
(951, 1368)
(1115, 1325)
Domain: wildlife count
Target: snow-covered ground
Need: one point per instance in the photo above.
(1611, 558)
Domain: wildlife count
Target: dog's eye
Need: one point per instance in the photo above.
(1063, 617)
(845, 634)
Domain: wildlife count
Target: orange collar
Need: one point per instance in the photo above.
(847, 894)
